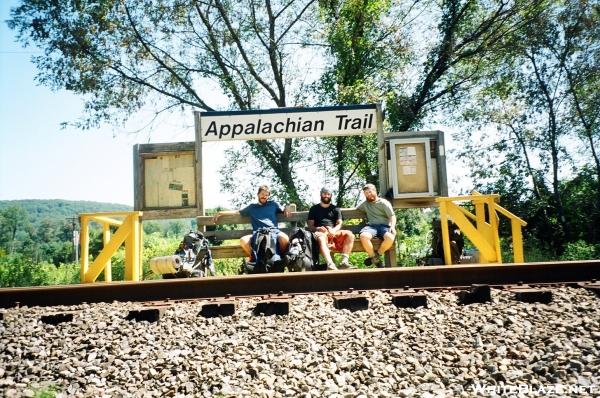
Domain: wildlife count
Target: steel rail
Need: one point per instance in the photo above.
(305, 282)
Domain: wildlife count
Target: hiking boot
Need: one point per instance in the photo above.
(375, 260)
(345, 264)
(370, 260)
(247, 267)
(331, 267)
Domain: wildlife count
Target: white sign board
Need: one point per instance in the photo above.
(288, 123)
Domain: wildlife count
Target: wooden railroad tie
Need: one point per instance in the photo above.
(217, 308)
(476, 294)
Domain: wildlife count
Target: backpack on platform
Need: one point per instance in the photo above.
(303, 252)
(264, 253)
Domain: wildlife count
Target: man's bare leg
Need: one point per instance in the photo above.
(246, 246)
(388, 242)
(283, 241)
(346, 248)
(365, 241)
(322, 240)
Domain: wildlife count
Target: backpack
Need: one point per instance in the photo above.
(303, 252)
(457, 244)
(192, 258)
(264, 253)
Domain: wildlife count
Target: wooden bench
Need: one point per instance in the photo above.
(296, 219)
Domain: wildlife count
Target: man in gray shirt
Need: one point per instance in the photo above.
(381, 223)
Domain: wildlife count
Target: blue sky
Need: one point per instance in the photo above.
(39, 160)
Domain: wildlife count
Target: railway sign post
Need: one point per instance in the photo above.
(284, 123)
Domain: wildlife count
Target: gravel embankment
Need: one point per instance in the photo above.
(504, 348)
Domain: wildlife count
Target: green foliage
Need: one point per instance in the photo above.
(18, 270)
(364, 51)
(53, 209)
(542, 155)
(14, 224)
(413, 248)
(228, 266)
(155, 246)
(581, 250)
(526, 68)
(413, 240)
(42, 230)
(581, 206)
(125, 55)
(49, 392)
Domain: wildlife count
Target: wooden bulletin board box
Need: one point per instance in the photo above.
(165, 179)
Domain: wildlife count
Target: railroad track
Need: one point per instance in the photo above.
(391, 279)
(438, 346)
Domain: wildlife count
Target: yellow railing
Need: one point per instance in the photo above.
(482, 231)
(128, 231)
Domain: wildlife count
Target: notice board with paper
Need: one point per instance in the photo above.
(411, 168)
(169, 181)
(165, 180)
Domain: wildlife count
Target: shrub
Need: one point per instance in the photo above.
(580, 250)
(17, 270)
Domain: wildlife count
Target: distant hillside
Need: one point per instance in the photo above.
(54, 209)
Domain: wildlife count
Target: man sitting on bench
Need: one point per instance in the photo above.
(325, 221)
(262, 215)
(381, 223)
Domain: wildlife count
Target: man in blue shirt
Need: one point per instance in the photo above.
(262, 215)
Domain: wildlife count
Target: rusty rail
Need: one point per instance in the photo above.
(306, 282)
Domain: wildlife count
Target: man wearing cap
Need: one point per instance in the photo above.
(381, 223)
(325, 221)
(262, 215)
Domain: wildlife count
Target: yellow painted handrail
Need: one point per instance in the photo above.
(484, 233)
(128, 232)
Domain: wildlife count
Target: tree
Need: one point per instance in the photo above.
(13, 220)
(365, 50)
(124, 55)
(467, 44)
(536, 99)
(373, 55)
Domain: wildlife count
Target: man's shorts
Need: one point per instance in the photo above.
(336, 243)
(376, 230)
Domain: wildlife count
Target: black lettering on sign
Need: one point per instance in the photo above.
(237, 129)
(278, 127)
(212, 129)
(249, 128)
(341, 120)
(289, 126)
(347, 123)
(266, 128)
(224, 131)
(319, 125)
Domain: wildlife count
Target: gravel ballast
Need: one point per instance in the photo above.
(502, 348)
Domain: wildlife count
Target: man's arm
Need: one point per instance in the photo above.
(392, 217)
(392, 221)
(224, 213)
(338, 223)
(361, 208)
(310, 225)
(281, 209)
